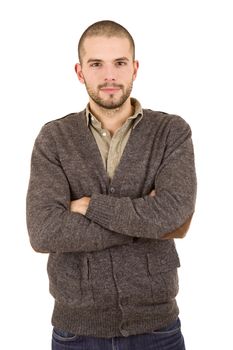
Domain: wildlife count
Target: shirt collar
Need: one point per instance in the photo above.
(138, 114)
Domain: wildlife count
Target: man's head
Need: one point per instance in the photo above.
(107, 29)
(107, 64)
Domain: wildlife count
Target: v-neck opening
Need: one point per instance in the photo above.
(96, 151)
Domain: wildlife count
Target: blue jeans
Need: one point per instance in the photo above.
(168, 338)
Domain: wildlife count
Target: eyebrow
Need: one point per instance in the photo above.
(116, 60)
(94, 60)
(122, 59)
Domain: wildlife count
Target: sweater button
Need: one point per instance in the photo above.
(112, 189)
(124, 333)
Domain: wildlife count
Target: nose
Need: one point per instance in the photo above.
(109, 74)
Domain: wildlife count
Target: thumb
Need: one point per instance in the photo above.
(152, 194)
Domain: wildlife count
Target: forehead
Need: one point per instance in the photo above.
(101, 47)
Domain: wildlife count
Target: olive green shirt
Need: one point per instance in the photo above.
(111, 147)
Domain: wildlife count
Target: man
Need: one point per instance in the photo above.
(110, 189)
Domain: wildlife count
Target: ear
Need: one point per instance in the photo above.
(78, 70)
(136, 66)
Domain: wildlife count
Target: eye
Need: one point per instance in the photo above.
(121, 63)
(95, 65)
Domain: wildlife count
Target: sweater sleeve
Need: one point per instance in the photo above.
(52, 227)
(174, 202)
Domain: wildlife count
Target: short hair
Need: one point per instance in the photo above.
(108, 29)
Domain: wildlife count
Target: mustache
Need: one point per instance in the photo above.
(110, 85)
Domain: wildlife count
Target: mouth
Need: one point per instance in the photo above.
(110, 89)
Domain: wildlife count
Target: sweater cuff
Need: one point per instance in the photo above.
(101, 209)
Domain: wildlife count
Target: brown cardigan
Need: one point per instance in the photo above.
(111, 272)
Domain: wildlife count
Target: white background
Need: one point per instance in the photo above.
(185, 54)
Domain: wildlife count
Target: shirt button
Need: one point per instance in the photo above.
(104, 134)
(112, 189)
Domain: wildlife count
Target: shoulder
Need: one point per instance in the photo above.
(171, 122)
(60, 129)
(68, 119)
(64, 125)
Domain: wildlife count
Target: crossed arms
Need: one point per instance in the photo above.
(57, 224)
(80, 206)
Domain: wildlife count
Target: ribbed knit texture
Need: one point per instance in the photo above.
(110, 273)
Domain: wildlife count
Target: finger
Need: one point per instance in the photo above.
(152, 194)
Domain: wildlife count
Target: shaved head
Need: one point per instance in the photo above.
(107, 29)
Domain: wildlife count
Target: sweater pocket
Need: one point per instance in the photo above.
(163, 275)
(69, 279)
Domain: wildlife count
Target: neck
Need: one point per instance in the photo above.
(112, 119)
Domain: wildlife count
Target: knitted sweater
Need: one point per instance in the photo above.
(110, 272)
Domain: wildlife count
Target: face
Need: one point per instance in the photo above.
(107, 70)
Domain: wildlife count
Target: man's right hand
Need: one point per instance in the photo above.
(181, 231)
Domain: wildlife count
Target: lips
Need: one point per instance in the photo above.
(110, 89)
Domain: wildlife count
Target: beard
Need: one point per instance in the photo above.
(111, 102)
